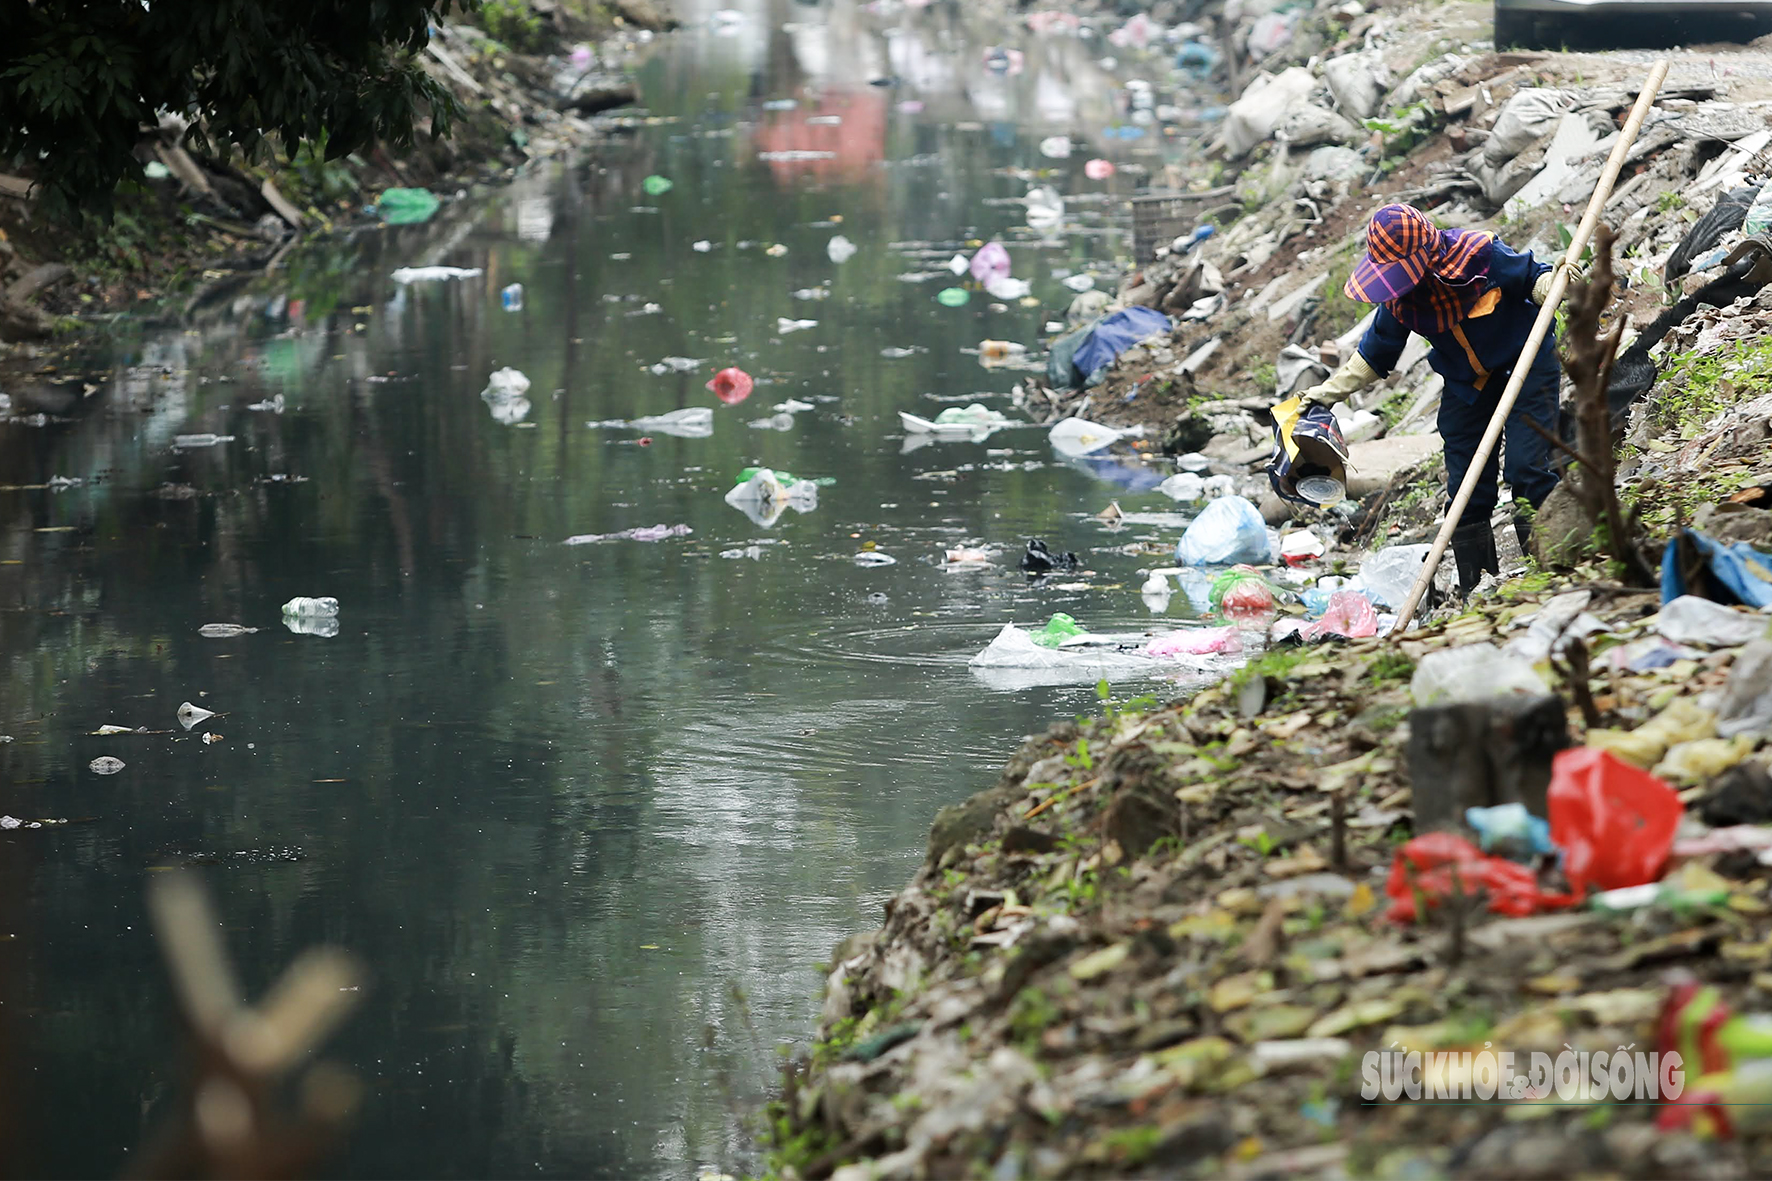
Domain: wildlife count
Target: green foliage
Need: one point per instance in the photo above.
(1391, 665)
(1672, 199)
(1030, 1013)
(79, 80)
(1081, 759)
(513, 22)
(1132, 1146)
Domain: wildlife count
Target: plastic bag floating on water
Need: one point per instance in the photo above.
(763, 495)
(105, 765)
(643, 533)
(691, 422)
(1076, 437)
(189, 715)
(404, 207)
(731, 385)
(840, 249)
(189, 442)
(324, 626)
(955, 421)
(223, 631)
(1040, 560)
(1228, 531)
(503, 396)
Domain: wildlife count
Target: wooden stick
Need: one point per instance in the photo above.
(1546, 315)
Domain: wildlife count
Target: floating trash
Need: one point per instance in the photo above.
(223, 631)
(189, 715)
(105, 765)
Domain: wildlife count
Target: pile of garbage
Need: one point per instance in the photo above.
(1176, 939)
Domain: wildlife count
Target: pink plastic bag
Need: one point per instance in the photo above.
(1614, 822)
(731, 385)
(1196, 641)
(990, 263)
(1349, 614)
(1098, 169)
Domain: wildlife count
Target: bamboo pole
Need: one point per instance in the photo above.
(1546, 315)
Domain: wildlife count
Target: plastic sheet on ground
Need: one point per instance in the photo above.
(1692, 620)
(1439, 866)
(1349, 614)
(1560, 620)
(1738, 570)
(1200, 641)
(1228, 531)
(1116, 332)
(1475, 672)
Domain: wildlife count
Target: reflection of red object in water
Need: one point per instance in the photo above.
(844, 151)
(731, 385)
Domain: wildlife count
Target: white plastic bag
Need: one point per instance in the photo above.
(1227, 531)
(1475, 672)
(1264, 103)
(1388, 574)
(1078, 436)
(691, 422)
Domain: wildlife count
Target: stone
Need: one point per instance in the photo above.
(961, 824)
(1560, 530)
(1371, 465)
(1484, 753)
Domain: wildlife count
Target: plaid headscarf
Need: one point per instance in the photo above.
(1429, 278)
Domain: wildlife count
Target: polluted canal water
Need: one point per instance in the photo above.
(590, 813)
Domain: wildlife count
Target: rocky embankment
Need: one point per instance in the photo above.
(1167, 940)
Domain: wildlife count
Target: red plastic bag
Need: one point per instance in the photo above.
(1426, 867)
(731, 385)
(1614, 822)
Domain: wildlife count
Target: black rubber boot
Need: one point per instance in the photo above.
(1523, 531)
(1473, 548)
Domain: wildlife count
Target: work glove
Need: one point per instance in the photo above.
(1354, 375)
(1541, 288)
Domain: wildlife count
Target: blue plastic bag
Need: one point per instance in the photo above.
(1230, 530)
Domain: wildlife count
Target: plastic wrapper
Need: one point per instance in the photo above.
(1389, 573)
(1614, 822)
(1301, 547)
(1475, 672)
(1511, 830)
(1438, 866)
(1228, 531)
(1076, 436)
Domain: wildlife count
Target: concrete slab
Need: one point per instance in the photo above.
(1373, 463)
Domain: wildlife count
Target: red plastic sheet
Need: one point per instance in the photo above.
(1438, 865)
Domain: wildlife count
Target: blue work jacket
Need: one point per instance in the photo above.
(1478, 354)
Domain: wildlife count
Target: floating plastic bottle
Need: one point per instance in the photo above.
(512, 297)
(302, 605)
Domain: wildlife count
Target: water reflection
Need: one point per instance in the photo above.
(592, 811)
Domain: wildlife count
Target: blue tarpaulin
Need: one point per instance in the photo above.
(1116, 332)
(1743, 570)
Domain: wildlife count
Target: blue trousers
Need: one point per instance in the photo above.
(1524, 455)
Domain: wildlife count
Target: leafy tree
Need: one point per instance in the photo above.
(80, 79)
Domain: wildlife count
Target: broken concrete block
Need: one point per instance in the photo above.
(1480, 754)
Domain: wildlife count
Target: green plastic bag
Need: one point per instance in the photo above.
(953, 297)
(405, 207)
(1058, 629)
(1241, 590)
(656, 186)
